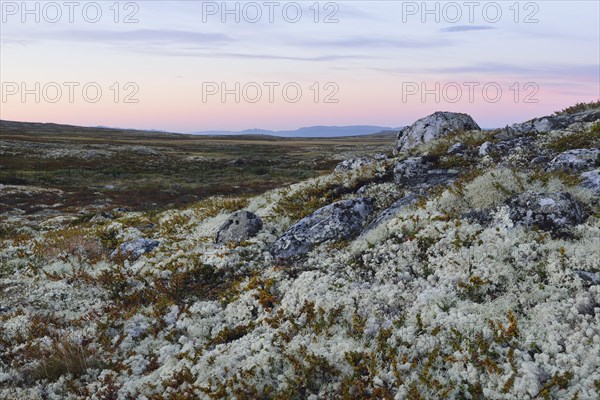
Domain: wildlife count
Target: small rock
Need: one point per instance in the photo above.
(574, 160)
(411, 170)
(418, 172)
(102, 217)
(481, 217)
(505, 134)
(238, 162)
(362, 190)
(134, 249)
(240, 226)
(540, 160)
(341, 220)
(551, 212)
(592, 277)
(432, 127)
(485, 149)
(591, 180)
(456, 148)
(506, 148)
(353, 163)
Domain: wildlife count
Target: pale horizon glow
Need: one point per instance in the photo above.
(371, 55)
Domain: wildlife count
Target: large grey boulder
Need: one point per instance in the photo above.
(551, 212)
(240, 226)
(134, 249)
(341, 220)
(548, 123)
(420, 172)
(574, 160)
(432, 127)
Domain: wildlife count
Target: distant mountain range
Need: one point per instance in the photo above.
(311, 131)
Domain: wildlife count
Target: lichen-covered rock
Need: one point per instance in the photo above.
(102, 217)
(539, 160)
(353, 163)
(485, 149)
(591, 180)
(456, 148)
(240, 226)
(505, 148)
(482, 217)
(419, 172)
(575, 160)
(432, 127)
(341, 220)
(134, 249)
(591, 277)
(391, 212)
(552, 212)
(552, 122)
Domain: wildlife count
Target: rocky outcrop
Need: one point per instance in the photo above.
(341, 220)
(353, 163)
(420, 172)
(575, 160)
(432, 127)
(391, 212)
(551, 212)
(134, 249)
(548, 123)
(240, 226)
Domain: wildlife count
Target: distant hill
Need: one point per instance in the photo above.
(311, 131)
(51, 129)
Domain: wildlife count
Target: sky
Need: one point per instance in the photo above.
(186, 66)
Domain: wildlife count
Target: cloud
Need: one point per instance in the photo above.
(255, 56)
(135, 36)
(16, 42)
(466, 28)
(369, 43)
(495, 71)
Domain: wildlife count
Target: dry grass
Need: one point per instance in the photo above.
(67, 244)
(579, 140)
(65, 357)
(579, 107)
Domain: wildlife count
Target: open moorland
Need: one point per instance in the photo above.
(50, 170)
